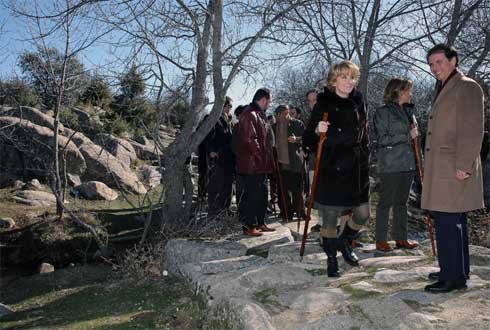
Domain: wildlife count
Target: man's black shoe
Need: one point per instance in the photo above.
(443, 287)
(434, 276)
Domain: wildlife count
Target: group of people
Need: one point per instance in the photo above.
(451, 186)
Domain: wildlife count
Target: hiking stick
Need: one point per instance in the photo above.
(279, 181)
(323, 136)
(302, 187)
(428, 220)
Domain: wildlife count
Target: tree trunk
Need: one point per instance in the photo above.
(173, 208)
(368, 48)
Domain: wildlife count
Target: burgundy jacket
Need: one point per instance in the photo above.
(253, 143)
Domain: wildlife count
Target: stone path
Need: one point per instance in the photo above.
(261, 283)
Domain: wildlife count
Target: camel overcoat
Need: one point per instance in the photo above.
(453, 141)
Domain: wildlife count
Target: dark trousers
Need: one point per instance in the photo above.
(291, 182)
(393, 193)
(202, 181)
(253, 204)
(272, 188)
(239, 190)
(219, 187)
(452, 246)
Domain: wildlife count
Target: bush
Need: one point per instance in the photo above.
(117, 127)
(70, 119)
(16, 92)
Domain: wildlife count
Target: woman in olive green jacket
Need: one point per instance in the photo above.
(394, 128)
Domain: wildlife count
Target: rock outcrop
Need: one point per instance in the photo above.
(146, 149)
(30, 114)
(151, 175)
(29, 148)
(119, 148)
(35, 198)
(95, 190)
(103, 166)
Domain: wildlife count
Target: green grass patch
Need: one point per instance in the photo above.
(102, 302)
(413, 304)
(358, 293)
(9, 208)
(264, 253)
(317, 271)
(371, 270)
(266, 297)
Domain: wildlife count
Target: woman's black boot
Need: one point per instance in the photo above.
(346, 237)
(330, 248)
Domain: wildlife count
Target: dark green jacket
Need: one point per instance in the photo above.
(394, 148)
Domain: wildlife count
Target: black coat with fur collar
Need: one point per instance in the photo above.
(343, 178)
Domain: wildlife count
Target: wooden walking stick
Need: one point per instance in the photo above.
(302, 187)
(279, 181)
(428, 220)
(323, 136)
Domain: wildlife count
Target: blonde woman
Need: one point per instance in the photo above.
(343, 182)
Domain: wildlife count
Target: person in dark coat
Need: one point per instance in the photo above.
(254, 160)
(238, 178)
(272, 178)
(343, 181)
(202, 169)
(288, 132)
(394, 128)
(221, 161)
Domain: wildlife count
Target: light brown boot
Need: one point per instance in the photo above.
(383, 246)
(404, 244)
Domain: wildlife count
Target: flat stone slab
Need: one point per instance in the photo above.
(290, 252)
(421, 321)
(477, 283)
(389, 261)
(308, 306)
(365, 286)
(482, 272)
(180, 252)
(397, 276)
(230, 264)
(479, 255)
(249, 315)
(279, 276)
(280, 236)
(382, 313)
(465, 310)
(35, 197)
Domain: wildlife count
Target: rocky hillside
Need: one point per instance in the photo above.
(101, 161)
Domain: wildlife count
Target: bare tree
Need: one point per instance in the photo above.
(54, 24)
(51, 25)
(373, 33)
(206, 45)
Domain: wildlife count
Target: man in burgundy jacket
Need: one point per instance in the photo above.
(254, 160)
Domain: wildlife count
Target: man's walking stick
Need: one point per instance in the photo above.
(279, 181)
(428, 220)
(323, 136)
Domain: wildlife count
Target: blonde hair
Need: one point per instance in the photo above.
(338, 69)
(395, 88)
